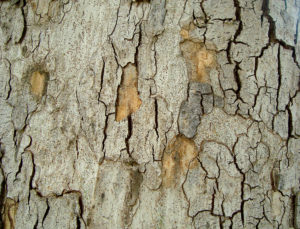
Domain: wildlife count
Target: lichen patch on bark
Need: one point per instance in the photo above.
(128, 96)
(177, 159)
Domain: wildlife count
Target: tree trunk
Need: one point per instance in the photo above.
(150, 114)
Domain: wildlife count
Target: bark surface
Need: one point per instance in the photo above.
(149, 114)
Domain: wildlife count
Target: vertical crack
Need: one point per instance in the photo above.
(156, 117)
(102, 78)
(237, 80)
(19, 169)
(105, 128)
(46, 212)
(279, 77)
(78, 223)
(129, 121)
(25, 22)
(266, 13)
(136, 55)
(104, 134)
(113, 30)
(290, 122)
(242, 198)
(36, 224)
(205, 19)
(81, 208)
(242, 183)
(9, 81)
(238, 18)
(32, 174)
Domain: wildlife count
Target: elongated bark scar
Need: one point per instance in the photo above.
(38, 83)
(128, 100)
(198, 59)
(10, 210)
(178, 158)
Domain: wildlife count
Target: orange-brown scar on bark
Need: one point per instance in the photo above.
(178, 158)
(38, 82)
(184, 33)
(198, 59)
(10, 210)
(128, 98)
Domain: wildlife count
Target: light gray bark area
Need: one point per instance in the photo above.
(221, 150)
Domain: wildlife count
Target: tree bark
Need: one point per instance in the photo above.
(150, 114)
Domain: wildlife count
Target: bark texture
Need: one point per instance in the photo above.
(149, 114)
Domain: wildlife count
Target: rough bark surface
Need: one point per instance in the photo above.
(149, 114)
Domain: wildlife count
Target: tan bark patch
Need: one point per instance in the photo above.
(199, 60)
(128, 97)
(184, 33)
(10, 210)
(38, 82)
(178, 158)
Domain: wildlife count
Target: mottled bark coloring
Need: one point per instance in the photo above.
(128, 96)
(199, 60)
(10, 210)
(177, 159)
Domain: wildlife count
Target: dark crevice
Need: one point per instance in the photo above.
(77, 148)
(102, 78)
(213, 202)
(228, 52)
(28, 199)
(205, 15)
(237, 80)
(19, 169)
(205, 20)
(105, 128)
(105, 134)
(242, 198)
(272, 31)
(25, 23)
(279, 77)
(15, 138)
(36, 224)
(9, 81)
(296, 34)
(78, 223)
(136, 55)
(242, 183)
(292, 211)
(33, 172)
(81, 207)
(290, 122)
(255, 69)
(129, 121)
(266, 14)
(116, 57)
(188, 91)
(238, 18)
(46, 212)
(221, 222)
(156, 117)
